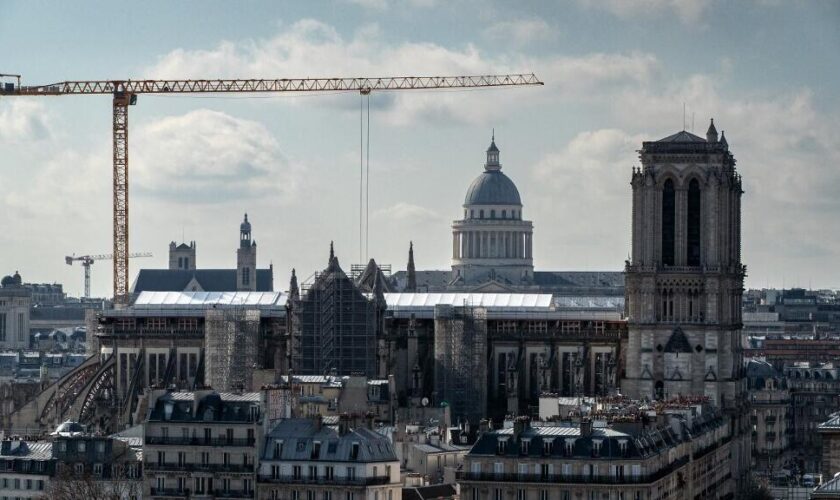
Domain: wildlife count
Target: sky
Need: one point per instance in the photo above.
(616, 73)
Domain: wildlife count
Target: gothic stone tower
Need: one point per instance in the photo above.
(685, 279)
(246, 259)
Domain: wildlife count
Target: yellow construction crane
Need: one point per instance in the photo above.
(88, 260)
(125, 92)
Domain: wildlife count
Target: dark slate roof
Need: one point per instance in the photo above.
(682, 136)
(299, 435)
(492, 187)
(433, 492)
(761, 368)
(183, 246)
(211, 280)
(678, 342)
(212, 407)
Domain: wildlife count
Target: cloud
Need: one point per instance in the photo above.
(520, 31)
(688, 11)
(312, 48)
(210, 157)
(407, 213)
(370, 4)
(23, 120)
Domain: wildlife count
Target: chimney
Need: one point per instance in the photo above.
(585, 427)
(343, 424)
(369, 420)
(318, 422)
(520, 424)
(483, 426)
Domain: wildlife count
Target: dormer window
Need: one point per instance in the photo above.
(596, 447)
(570, 447)
(278, 449)
(504, 214)
(354, 451)
(525, 445)
(501, 446)
(622, 446)
(548, 445)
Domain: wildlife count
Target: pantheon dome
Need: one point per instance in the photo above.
(492, 242)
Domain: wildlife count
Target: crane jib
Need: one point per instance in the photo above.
(125, 93)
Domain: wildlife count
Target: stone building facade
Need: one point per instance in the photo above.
(182, 257)
(15, 302)
(678, 453)
(685, 278)
(492, 242)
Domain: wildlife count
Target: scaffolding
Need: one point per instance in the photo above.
(336, 327)
(230, 341)
(461, 361)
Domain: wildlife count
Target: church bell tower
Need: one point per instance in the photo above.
(684, 280)
(246, 259)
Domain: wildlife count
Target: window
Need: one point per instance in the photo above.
(2, 326)
(497, 494)
(161, 482)
(278, 449)
(350, 496)
(543, 494)
(327, 495)
(97, 470)
(492, 214)
(329, 472)
(354, 451)
(82, 446)
(21, 328)
(313, 472)
(351, 473)
(481, 214)
(520, 495)
(205, 457)
(296, 474)
(504, 214)
(668, 222)
(316, 450)
(547, 446)
(525, 445)
(100, 447)
(182, 459)
(246, 276)
(199, 483)
(693, 216)
(80, 469)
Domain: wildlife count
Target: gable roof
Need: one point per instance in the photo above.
(678, 342)
(210, 280)
(682, 136)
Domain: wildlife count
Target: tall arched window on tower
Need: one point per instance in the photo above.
(693, 224)
(668, 220)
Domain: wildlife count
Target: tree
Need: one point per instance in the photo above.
(70, 485)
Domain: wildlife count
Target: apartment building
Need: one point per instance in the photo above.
(202, 444)
(632, 456)
(304, 459)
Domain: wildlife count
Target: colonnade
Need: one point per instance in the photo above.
(490, 244)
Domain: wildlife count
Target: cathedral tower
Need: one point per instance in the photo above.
(246, 259)
(684, 281)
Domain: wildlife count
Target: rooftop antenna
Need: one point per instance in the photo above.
(683, 116)
(692, 122)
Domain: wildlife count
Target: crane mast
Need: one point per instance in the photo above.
(125, 94)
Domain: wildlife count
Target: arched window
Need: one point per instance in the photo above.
(668, 221)
(693, 224)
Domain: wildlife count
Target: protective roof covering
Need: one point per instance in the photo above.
(599, 302)
(158, 300)
(486, 300)
(492, 187)
(435, 491)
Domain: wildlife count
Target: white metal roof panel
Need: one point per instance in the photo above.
(486, 300)
(157, 300)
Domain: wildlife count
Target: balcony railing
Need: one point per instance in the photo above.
(188, 467)
(181, 441)
(572, 478)
(335, 481)
(187, 493)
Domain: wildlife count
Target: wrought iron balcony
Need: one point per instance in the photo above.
(334, 481)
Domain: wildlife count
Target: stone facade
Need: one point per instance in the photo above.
(492, 242)
(182, 256)
(684, 281)
(15, 302)
(246, 259)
